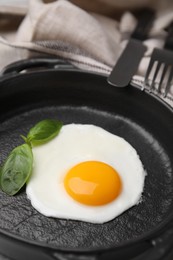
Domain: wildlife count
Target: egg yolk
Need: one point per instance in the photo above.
(93, 183)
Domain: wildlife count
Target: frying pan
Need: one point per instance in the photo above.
(32, 90)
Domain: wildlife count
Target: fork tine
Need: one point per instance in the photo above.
(155, 75)
(162, 77)
(150, 66)
(168, 85)
(164, 58)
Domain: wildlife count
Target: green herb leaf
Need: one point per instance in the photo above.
(16, 169)
(43, 131)
(24, 138)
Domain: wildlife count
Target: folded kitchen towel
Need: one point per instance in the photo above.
(89, 40)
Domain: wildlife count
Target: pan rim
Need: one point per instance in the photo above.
(148, 237)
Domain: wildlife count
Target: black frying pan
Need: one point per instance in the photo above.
(70, 95)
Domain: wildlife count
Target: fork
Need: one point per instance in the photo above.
(161, 61)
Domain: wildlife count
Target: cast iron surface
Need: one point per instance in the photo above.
(80, 97)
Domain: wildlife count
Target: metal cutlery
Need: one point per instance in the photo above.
(161, 62)
(128, 62)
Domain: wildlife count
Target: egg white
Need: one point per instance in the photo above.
(74, 144)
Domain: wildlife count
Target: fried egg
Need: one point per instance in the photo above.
(85, 173)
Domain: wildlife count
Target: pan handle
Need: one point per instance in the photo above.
(35, 63)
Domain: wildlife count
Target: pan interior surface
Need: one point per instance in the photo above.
(137, 117)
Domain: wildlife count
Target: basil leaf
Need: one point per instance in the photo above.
(24, 138)
(43, 131)
(16, 169)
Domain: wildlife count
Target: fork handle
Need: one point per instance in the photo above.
(169, 39)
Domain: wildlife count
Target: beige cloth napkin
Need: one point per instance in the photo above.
(90, 41)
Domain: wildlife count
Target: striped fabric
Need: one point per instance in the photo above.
(90, 41)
